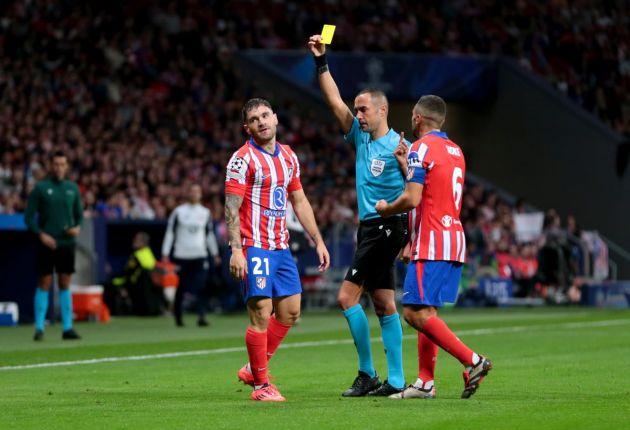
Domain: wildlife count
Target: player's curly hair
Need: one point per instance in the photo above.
(253, 104)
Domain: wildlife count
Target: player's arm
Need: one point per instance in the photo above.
(211, 240)
(304, 212)
(169, 236)
(329, 87)
(77, 210)
(238, 263)
(409, 199)
(32, 207)
(401, 153)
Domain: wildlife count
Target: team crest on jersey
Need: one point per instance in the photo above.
(447, 221)
(377, 167)
(279, 198)
(261, 282)
(237, 169)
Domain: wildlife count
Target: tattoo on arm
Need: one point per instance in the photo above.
(232, 206)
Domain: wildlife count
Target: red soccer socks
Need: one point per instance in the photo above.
(438, 332)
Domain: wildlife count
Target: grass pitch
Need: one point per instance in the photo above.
(554, 369)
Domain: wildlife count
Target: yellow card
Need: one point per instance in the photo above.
(327, 33)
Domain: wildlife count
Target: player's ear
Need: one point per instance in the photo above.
(246, 128)
(275, 119)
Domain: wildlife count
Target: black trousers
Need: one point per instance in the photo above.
(193, 276)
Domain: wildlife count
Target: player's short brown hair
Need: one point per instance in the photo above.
(253, 104)
(432, 108)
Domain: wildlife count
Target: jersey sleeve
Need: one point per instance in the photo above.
(418, 163)
(353, 135)
(169, 235)
(32, 208)
(296, 183)
(77, 206)
(236, 175)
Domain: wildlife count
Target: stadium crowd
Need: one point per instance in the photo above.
(145, 99)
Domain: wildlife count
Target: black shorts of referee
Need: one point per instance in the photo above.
(59, 260)
(379, 241)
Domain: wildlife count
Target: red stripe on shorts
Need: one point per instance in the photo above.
(419, 273)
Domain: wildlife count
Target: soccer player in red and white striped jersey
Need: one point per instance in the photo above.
(433, 195)
(260, 177)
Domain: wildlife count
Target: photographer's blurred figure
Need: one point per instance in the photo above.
(190, 238)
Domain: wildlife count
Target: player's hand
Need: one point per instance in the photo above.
(238, 265)
(324, 256)
(48, 240)
(381, 208)
(405, 253)
(316, 46)
(74, 231)
(401, 152)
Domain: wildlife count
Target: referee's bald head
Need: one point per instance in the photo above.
(377, 96)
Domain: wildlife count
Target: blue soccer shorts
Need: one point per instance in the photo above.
(431, 283)
(270, 274)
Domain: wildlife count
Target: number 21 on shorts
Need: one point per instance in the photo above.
(260, 263)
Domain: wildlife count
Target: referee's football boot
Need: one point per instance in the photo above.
(385, 390)
(70, 335)
(418, 390)
(38, 336)
(362, 385)
(474, 375)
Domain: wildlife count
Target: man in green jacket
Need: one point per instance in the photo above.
(54, 212)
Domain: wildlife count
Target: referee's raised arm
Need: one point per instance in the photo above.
(329, 87)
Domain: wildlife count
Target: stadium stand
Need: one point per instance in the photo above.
(145, 99)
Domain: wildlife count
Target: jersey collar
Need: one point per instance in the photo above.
(261, 149)
(437, 133)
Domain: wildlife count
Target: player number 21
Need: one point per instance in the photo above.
(258, 262)
(457, 186)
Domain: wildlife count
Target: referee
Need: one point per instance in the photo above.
(191, 232)
(54, 212)
(379, 240)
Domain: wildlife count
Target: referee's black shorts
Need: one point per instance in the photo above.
(378, 243)
(60, 260)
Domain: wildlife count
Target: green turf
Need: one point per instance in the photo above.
(554, 369)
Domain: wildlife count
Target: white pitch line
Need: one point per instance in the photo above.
(472, 332)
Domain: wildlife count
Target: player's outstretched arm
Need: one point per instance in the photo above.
(238, 263)
(304, 212)
(409, 199)
(329, 87)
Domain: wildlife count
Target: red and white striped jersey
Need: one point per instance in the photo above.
(264, 181)
(436, 233)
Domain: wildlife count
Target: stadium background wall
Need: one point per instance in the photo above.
(523, 134)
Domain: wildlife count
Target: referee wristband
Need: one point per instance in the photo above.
(321, 63)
